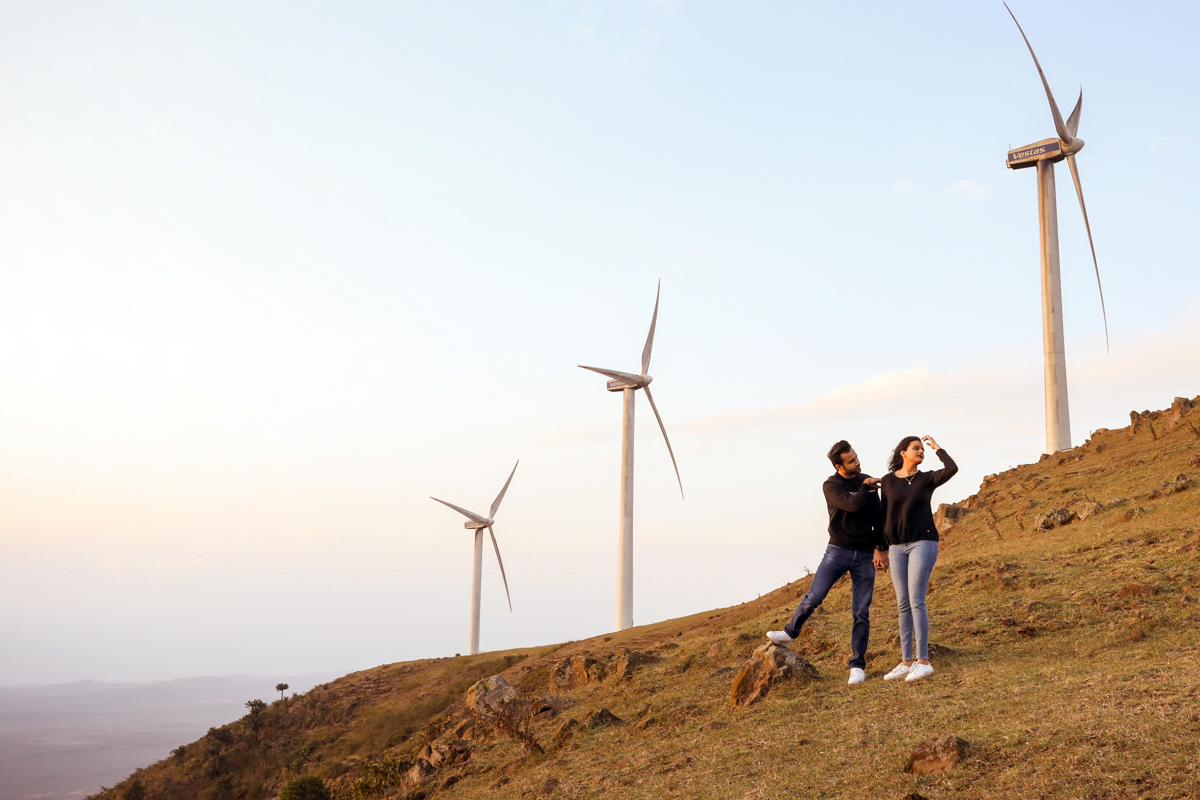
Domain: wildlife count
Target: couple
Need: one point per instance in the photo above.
(866, 532)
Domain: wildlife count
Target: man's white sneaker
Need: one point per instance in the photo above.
(856, 676)
(779, 637)
(899, 671)
(919, 671)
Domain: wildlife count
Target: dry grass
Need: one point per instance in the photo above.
(1037, 670)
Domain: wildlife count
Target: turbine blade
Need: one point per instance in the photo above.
(1073, 120)
(468, 514)
(499, 497)
(1058, 120)
(500, 561)
(633, 380)
(663, 428)
(1088, 225)
(650, 336)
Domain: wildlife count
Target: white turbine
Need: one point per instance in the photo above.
(477, 523)
(1044, 155)
(627, 384)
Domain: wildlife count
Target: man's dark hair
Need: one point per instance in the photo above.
(835, 452)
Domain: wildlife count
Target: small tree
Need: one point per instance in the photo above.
(281, 688)
(255, 718)
(135, 790)
(307, 787)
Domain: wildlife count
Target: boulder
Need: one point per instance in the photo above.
(463, 729)
(420, 772)
(768, 666)
(947, 515)
(1053, 519)
(626, 662)
(564, 732)
(548, 787)
(601, 718)
(571, 673)
(1089, 509)
(552, 705)
(937, 756)
(1179, 407)
(496, 697)
(1137, 635)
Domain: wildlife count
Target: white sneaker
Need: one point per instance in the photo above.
(919, 671)
(779, 637)
(899, 671)
(856, 676)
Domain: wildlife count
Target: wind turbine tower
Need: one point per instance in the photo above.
(628, 383)
(477, 523)
(1043, 156)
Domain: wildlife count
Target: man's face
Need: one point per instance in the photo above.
(850, 464)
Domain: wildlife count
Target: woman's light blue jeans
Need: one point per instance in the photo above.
(911, 565)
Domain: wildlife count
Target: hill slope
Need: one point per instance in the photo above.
(1066, 656)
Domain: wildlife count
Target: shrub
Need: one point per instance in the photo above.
(306, 787)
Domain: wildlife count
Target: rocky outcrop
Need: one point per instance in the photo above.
(495, 697)
(1054, 518)
(937, 756)
(601, 718)
(565, 731)
(571, 673)
(768, 666)
(626, 662)
(947, 515)
(420, 772)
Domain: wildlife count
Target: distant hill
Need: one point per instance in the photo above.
(67, 740)
(1064, 620)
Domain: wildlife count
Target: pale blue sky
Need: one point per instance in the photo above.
(275, 273)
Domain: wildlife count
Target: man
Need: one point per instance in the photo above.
(856, 545)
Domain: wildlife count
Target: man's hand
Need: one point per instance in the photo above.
(871, 482)
(880, 560)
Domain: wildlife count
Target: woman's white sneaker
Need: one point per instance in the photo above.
(899, 671)
(856, 676)
(919, 671)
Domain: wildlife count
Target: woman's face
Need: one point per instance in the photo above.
(915, 452)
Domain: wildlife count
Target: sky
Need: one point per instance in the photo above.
(273, 274)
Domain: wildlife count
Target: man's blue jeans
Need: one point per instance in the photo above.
(836, 563)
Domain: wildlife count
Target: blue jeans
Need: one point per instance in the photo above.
(911, 566)
(836, 563)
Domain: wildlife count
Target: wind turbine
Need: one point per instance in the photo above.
(477, 523)
(627, 384)
(1044, 155)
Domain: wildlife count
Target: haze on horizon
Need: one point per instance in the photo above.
(276, 273)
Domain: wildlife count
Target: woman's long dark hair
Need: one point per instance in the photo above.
(897, 460)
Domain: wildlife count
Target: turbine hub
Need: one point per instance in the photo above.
(647, 380)
(1074, 147)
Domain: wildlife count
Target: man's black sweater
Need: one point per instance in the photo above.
(855, 515)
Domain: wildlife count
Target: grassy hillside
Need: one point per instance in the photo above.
(1067, 656)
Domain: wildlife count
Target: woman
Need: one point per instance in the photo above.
(912, 545)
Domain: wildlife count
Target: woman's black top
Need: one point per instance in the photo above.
(907, 505)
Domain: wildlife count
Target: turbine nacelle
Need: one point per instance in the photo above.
(477, 526)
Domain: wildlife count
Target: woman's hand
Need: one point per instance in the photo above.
(929, 441)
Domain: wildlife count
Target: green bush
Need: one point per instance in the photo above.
(306, 787)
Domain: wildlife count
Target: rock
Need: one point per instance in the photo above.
(1137, 635)
(1136, 511)
(552, 705)
(914, 796)
(713, 725)
(1053, 519)
(769, 665)
(948, 514)
(463, 729)
(936, 756)
(420, 772)
(503, 780)
(1089, 509)
(449, 781)
(601, 718)
(1135, 590)
(626, 662)
(570, 673)
(1180, 483)
(564, 732)
(495, 696)
(647, 723)
(1179, 407)
(549, 787)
